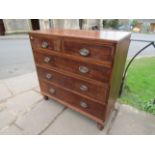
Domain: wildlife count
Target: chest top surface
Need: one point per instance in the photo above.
(105, 35)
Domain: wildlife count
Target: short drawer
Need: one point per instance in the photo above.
(74, 100)
(53, 44)
(97, 91)
(87, 70)
(88, 50)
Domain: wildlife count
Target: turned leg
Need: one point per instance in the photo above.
(45, 97)
(100, 126)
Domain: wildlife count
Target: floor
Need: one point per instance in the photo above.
(23, 111)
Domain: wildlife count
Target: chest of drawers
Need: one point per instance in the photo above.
(81, 69)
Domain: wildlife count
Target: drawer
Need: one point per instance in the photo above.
(72, 99)
(97, 91)
(46, 43)
(88, 50)
(87, 70)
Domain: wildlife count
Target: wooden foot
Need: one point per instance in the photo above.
(100, 126)
(45, 97)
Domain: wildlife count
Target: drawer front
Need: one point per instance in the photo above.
(88, 50)
(96, 91)
(46, 43)
(72, 99)
(87, 70)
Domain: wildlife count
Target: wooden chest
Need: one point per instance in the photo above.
(82, 69)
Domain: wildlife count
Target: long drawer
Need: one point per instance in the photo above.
(72, 99)
(97, 91)
(87, 70)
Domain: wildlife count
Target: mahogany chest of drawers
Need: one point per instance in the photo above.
(82, 69)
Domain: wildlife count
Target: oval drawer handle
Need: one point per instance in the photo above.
(83, 88)
(49, 76)
(52, 90)
(84, 52)
(44, 44)
(83, 69)
(31, 38)
(83, 104)
(47, 59)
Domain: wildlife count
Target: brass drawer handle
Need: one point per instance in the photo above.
(31, 38)
(47, 59)
(83, 104)
(83, 88)
(52, 90)
(44, 44)
(84, 52)
(49, 76)
(83, 69)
